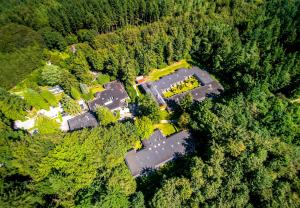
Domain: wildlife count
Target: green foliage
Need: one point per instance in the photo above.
(35, 99)
(71, 39)
(84, 89)
(51, 75)
(75, 93)
(114, 200)
(88, 97)
(184, 120)
(105, 116)
(173, 193)
(86, 35)
(65, 164)
(248, 139)
(132, 93)
(144, 127)
(187, 85)
(80, 68)
(103, 78)
(166, 128)
(12, 106)
(54, 40)
(46, 125)
(147, 107)
(49, 97)
(20, 53)
(70, 106)
(186, 102)
(138, 200)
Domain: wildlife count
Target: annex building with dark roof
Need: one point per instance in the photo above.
(85, 120)
(208, 86)
(158, 150)
(113, 97)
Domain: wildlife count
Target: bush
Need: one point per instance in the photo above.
(75, 93)
(103, 78)
(87, 97)
(70, 106)
(105, 116)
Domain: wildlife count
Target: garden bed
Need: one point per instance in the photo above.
(187, 85)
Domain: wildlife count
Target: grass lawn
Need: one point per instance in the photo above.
(166, 128)
(96, 88)
(155, 74)
(187, 85)
(165, 115)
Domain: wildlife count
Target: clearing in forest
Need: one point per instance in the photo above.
(155, 74)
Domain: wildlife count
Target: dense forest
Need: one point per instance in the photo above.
(248, 138)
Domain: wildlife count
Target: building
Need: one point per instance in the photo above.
(158, 150)
(85, 120)
(140, 79)
(157, 88)
(114, 97)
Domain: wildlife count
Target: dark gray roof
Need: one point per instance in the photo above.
(208, 85)
(112, 97)
(180, 75)
(154, 92)
(85, 120)
(199, 93)
(157, 151)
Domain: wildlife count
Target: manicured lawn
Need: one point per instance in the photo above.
(187, 85)
(166, 128)
(96, 88)
(155, 74)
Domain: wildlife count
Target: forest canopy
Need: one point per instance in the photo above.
(247, 138)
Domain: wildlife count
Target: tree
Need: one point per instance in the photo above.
(46, 125)
(147, 107)
(70, 106)
(144, 127)
(173, 193)
(12, 106)
(138, 200)
(103, 78)
(51, 75)
(54, 40)
(114, 200)
(105, 116)
(186, 102)
(184, 120)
